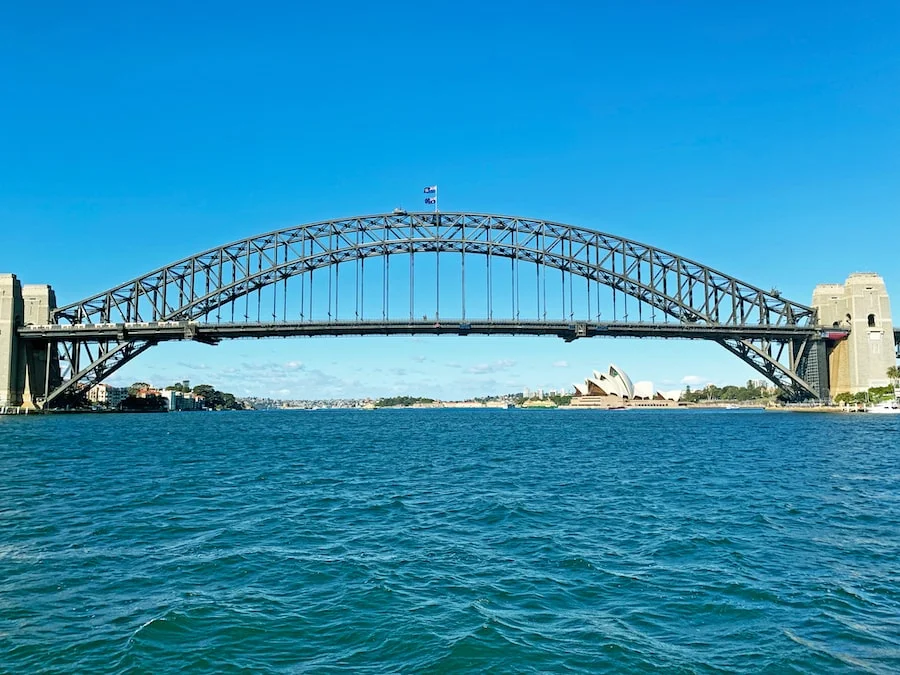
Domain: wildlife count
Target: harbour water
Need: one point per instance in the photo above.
(450, 541)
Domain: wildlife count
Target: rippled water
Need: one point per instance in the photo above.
(447, 541)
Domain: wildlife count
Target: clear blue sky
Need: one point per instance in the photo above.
(760, 138)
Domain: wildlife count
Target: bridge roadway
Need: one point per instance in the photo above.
(567, 330)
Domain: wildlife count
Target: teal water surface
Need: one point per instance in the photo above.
(450, 541)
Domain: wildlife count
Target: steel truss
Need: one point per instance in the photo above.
(194, 290)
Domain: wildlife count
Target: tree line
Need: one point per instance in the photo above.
(749, 392)
(873, 394)
(403, 401)
(213, 399)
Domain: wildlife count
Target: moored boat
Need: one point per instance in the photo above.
(885, 408)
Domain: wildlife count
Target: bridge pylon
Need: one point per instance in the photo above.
(28, 369)
(860, 305)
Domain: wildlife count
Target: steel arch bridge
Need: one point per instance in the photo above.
(493, 274)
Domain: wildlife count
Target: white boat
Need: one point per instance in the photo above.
(885, 408)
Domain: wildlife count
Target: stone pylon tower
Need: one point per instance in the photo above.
(862, 305)
(24, 374)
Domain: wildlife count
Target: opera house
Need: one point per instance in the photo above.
(614, 390)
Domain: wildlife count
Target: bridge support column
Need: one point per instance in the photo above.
(11, 311)
(35, 371)
(862, 305)
(24, 370)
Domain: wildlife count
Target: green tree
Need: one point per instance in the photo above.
(879, 394)
(893, 374)
(149, 404)
(730, 392)
(136, 387)
(215, 399)
(203, 389)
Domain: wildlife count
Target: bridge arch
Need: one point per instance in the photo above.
(191, 289)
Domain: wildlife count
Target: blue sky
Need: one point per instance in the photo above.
(762, 139)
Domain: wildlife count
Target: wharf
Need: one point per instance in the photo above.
(17, 410)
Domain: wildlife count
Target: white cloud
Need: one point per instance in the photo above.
(560, 364)
(294, 365)
(482, 368)
(192, 366)
(693, 380)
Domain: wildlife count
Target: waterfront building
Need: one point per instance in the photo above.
(614, 382)
(495, 403)
(671, 394)
(178, 400)
(643, 390)
(614, 389)
(106, 396)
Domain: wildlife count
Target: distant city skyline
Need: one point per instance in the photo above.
(759, 140)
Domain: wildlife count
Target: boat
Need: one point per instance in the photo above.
(885, 408)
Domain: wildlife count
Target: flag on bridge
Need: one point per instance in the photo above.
(431, 190)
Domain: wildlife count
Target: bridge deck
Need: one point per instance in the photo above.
(568, 330)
